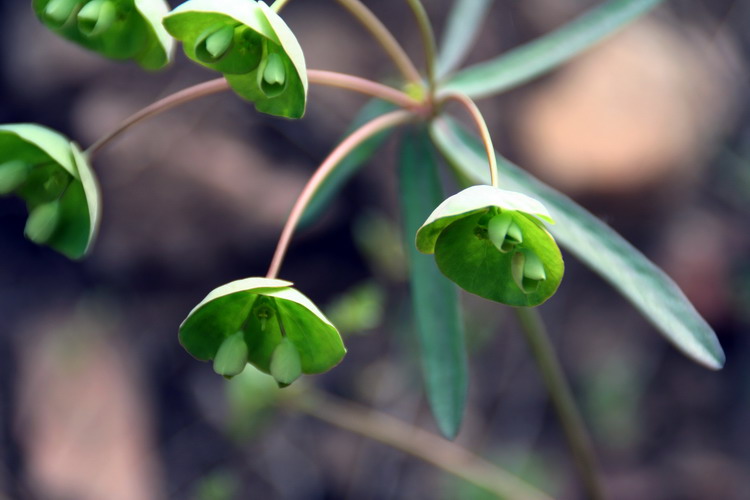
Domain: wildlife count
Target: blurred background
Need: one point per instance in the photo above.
(650, 131)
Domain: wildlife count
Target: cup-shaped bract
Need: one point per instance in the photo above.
(55, 180)
(282, 330)
(117, 29)
(251, 45)
(493, 243)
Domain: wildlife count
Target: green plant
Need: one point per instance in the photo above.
(491, 239)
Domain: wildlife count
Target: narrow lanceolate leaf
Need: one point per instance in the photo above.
(332, 185)
(646, 286)
(461, 32)
(548, 52)
(435, 299)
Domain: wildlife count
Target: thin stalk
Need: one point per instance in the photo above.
(318, 77)
(419, 443)
(562, 400)
(360, 135)
(160, 106)
(428, 39)
(484, 132)
(279, 4)
(385, 38)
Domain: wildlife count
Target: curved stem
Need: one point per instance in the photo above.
(385, 38)
(360, 135)
(278, 5)
(428, 39)
(562, 400)
(160, 106)
(484, 132)
(419, 443)
(319, 77)
(363, 86)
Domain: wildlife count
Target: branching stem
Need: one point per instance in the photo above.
(318, 77)
(428, 40)
(385, 38)
(419, 443)
(484, 132)
(279, 4)
(562, 400)
(363, 133)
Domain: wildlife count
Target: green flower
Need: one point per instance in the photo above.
(251, 45)
(118, 29)
(50, 173)
(264, 322)
(493, 243)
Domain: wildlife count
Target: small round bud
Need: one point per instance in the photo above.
(231, 358)
(286, 365)
(12, 175)
(504, 232)
(96, 17)
(214, 43)
(42, 222)
(59, 12)
(274, 75)
(527, 270)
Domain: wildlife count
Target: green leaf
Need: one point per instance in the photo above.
(332, 185)
(265, 310)
(263, 63)
(544, 54)
(59, 174)
(118, 29)
(435, 299)
(647, 287)
(462, 30)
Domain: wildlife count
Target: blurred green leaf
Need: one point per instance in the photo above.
(462, 30)
(359, 309)
(349, 165)
(535, 58)
(435, 299)
(646, 286)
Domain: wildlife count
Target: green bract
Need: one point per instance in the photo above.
(265, 322)
(51, 174)
(492, 243)
(118, 29)
(248, 42)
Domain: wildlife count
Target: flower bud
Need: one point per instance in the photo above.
(231, 358)
(214, 43)
(286, 366)
(274, 75)
(504, 232)
(59, 12)
(12, 175)
(42, 222)
(527, 270)
(96, 17)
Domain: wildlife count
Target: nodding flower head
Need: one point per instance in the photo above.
(264, 322)
(493, 243)
(251, 45)
(118, 29)
(53, 177)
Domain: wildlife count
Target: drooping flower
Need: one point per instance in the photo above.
(264, 322)
(117, 29)
(251, 45)
(55, 180)
(493, 243)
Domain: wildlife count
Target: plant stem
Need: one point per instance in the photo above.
(363, 86)
(319, 77)
(484, 132)
(278, 5)
(360, 135)
(385, 38)
(419, 443)
(428, 40)
(562, 400)
(160, 106)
